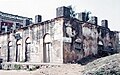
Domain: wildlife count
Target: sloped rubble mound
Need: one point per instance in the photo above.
(109, 65)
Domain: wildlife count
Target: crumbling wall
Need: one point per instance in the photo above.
(72, 41)
(104, 36)
(109, 39)
(81, 39)
(114, 39)
(90, 36)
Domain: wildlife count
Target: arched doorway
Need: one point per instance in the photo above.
(27, 49)
(100, 48)
(18, 50)
(9, 52)
(46, 48)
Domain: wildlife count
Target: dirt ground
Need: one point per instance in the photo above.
(109, 65)
(15, 72)
(65, 69)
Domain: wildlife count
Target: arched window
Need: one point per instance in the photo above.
(27, 49)
(46, 47)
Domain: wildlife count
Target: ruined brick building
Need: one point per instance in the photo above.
(60, 40)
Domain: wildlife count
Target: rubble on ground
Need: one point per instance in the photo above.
(109, 65)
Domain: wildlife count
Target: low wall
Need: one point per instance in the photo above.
(25, 66)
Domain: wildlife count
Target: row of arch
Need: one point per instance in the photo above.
(15, 54)
(47, 43)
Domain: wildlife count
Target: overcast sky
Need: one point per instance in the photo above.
(103, 9)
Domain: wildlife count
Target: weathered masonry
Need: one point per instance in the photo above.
(60, 40)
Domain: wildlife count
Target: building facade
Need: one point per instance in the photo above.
(60, 40)
(11, 22)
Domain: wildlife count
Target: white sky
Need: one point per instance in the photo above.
(103, 9)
